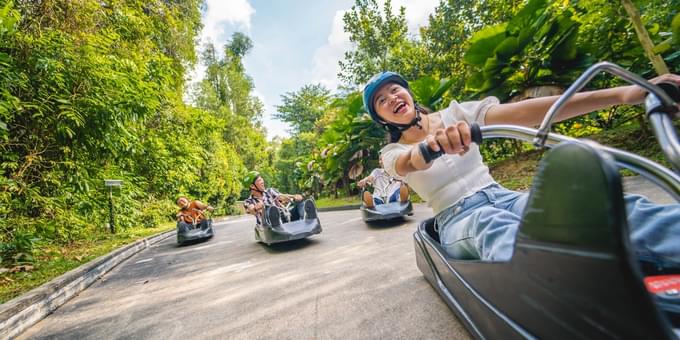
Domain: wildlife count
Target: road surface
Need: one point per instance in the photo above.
(349, 282)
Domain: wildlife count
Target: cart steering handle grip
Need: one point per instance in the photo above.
(429, 155)
(661, 116)
(654, 105)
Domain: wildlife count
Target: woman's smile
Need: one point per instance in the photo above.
(393, 101)
(400, 108)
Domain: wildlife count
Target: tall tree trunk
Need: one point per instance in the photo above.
(643, 35)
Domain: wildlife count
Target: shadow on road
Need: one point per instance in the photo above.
(288, 246)
(397, 222)
(192, 242)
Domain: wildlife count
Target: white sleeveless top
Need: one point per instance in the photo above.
(451, 177)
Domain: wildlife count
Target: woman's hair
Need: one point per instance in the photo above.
(394, 134)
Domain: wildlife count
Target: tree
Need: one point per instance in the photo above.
(538, 46)
(227, 92)
(449, 28)
(303, 108)
(291, 156)
(84, 87)
(239, 45)
(645, 41)
(376, 36)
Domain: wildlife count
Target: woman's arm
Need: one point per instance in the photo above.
(454, 139)
(530, 112)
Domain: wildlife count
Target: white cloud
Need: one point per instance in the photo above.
(325, 63)
(417, 12)
(224, 13)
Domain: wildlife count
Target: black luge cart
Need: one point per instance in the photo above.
(293, 230)
(573, 274)
(187, 233)
(387, 211)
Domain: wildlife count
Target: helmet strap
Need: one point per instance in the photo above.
(414, 122)
(253, 187)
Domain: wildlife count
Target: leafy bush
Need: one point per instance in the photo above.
(19, 250)
(536, 47)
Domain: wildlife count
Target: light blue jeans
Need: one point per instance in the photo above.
(483, 226)
(393, 198)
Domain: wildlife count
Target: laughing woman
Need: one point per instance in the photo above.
(476, 217)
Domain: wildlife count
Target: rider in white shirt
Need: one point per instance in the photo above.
(386, 189)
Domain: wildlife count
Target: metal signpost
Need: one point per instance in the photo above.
(111, 183)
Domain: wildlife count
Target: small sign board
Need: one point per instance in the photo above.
(113, 182)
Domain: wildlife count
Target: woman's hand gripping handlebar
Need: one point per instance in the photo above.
(430, 154)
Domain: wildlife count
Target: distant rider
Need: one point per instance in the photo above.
(192, 213)
(386, 189)
(262, 197)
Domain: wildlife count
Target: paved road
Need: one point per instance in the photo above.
(349, 282)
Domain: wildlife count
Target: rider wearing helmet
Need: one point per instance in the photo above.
(476, 217)
(386, 189)
(261, 197)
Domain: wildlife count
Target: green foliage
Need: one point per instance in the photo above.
(19, 250)
(497, 47)
(377, 35)
(292, 155)
(302, 109)
(536, 47)
(239, 45)
(90, 92)
(430, 91)
(675, 28)
(608, 34)
(446, 37)
(226, 92)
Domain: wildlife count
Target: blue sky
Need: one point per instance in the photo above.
(296, 42)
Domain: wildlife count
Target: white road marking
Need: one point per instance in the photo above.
(145, 260)
(204, 247)
(350, 221)
(237, 267)
(240, 219)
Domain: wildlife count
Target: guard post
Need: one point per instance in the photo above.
(112, 183)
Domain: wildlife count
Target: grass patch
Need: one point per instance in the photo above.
(329, 202)
(517, 173)
(54, 260)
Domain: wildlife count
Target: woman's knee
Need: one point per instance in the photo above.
(489, 230)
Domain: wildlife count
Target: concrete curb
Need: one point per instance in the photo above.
(344, 207)
(20, 313)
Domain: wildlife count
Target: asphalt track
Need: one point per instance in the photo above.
(352, 281)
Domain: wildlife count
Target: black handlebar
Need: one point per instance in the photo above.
(429, 155)
(656, 106)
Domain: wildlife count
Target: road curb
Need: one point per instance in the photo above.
(20, 313)
(344, 207)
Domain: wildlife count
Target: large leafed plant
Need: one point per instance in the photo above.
(536, 47)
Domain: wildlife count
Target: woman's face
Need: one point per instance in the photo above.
(394, 104)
